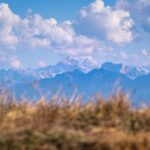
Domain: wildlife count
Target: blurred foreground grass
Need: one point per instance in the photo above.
(64, 125)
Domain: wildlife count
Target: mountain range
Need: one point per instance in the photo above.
(82, 77)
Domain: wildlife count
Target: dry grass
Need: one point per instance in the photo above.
(63, 125)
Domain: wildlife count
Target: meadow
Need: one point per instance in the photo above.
(61, 124)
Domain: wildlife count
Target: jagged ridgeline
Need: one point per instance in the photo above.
(82, 77)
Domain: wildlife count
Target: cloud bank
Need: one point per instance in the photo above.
(104, 22)
(96, 29)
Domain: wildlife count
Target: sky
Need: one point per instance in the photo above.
(36, 34)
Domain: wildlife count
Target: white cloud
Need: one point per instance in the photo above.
(34, 32)
(97, 6)
(81, 45)
(15, 63)
(145, 52)
(8, 22)
(85, 45)
(41, 63)
(39, 32)
(106, 23)
(96, 29)
(140, 9)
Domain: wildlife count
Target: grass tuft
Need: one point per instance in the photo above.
(111, 124)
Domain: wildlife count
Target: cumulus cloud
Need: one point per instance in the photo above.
(97, 29)
(104, 22)
(8, 23)
(81, 45)
(39, 32)
(139, 9)
(59, 37)
(34, 32)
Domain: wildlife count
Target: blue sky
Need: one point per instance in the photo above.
(36, 33)
(66, 9)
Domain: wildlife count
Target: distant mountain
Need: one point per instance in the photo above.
(130, 71)
(147, 68)
(30, 75)
(141, 88)
(67, 65)
(14, 76)
(72, 75)
(98, 81)
(87, 84)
